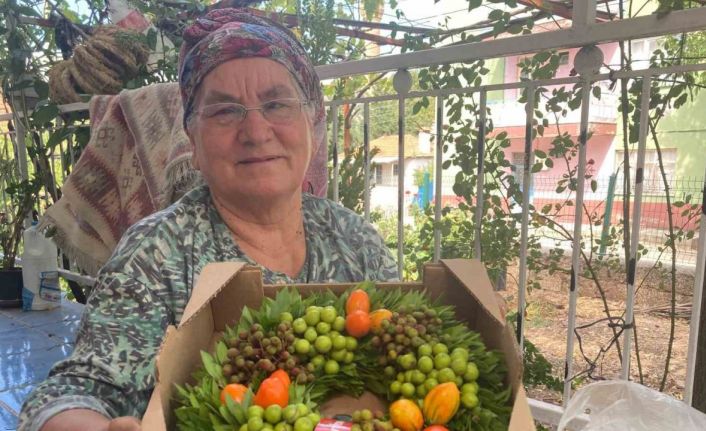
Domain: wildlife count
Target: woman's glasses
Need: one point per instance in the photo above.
(279, 111)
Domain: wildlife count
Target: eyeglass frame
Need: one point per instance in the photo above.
(301, 102)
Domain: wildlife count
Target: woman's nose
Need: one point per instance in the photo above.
(255, 128)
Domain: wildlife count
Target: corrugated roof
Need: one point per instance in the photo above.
(389, 146)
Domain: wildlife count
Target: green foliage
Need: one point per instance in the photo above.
(351, 180)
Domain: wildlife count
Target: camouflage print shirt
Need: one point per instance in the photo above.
(147, 282)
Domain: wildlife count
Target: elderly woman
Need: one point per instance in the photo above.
(253, 111)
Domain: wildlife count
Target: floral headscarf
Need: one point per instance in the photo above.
(228, 34)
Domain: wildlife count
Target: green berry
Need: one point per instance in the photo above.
(331, 367)
(329, 314)
(472, 372)
(459, 366)
(430, 384)
(470, 387)
(441, 360)
(408, 390)
(351, 343)
(302, 346)
(312, 316)
(310, 334)
(339, 355)
(314, 418)
(290, 413)
(255, 423)
(447, 375)
(440, 348)
(395, 387)
(421, 391)
(425, 364)
(425, 350)
(303, 424)
(299, 325)
(323, 344)
(273, 414)
(469, 400)
(339, 342)
(418, 377)
(339, 323)
(255, 412)
(286, 317)
(323, 328)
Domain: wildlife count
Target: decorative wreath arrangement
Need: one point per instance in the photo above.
(279, 363)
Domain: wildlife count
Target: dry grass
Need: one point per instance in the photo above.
(547, 315)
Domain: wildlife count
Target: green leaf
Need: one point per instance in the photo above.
(549, 163)
(594, 186)
(45, 114)
(537, 167)
(596, 92)
(495, 15)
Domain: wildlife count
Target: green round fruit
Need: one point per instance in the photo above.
(302, 409)
(469, 400)
(400, 377)
(351, 343)
(243, 427)
(461, 352)
(303, 424)
(310, 334)
(314, 418)
(440, 348)
(339, 323)
(425, 350)
(459, 366)
(323, 328)
(446, 375)
(299, 325)
(312, 316)
(472, 372)
(421, 391)
(339, 355)
(339, 342)
(418, 377)
(430, 384)
(255, 412)
(407, 361)
(331, 367)
(282, 426)
(395, 387)
(302, 346)
(389, 371)
(425, 364)
(273, 414)
(434, 374)
(470, 387)
(366, 415)
(323, 344)
(318, 361)
(290, 413)
(408, 390)
(255, 423)
(459, 381)
(441, 360)
(349, 357)
(329, 314)
(408, 376)
(286, 316)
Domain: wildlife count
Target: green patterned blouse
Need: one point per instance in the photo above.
(146, 284)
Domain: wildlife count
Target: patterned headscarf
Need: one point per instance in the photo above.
(227, 34)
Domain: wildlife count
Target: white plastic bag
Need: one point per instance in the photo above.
(619, 405)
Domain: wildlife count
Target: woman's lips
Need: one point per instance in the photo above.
(256, 160)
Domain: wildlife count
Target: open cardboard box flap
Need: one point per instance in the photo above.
(223, 289)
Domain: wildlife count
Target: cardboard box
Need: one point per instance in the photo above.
(224, 288)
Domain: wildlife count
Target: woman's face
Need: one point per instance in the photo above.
(266, 154)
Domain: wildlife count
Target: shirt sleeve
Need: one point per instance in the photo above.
(111, 369)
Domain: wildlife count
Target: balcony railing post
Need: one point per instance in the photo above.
(438, 167)
(402, 82)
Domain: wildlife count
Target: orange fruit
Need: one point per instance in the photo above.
(436, 428)
(358, 300)
(377, 316)
(282, 376)
(235, 391)
(358, 323)
(272, 391)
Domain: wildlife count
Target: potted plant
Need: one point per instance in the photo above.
(18, 202)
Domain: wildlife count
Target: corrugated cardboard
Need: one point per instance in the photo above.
(224, 288)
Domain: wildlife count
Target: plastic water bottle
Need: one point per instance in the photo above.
(40, 276)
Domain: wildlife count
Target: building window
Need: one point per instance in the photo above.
(652, 178)
(564, 58)
(377, 174)
(395, 170)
